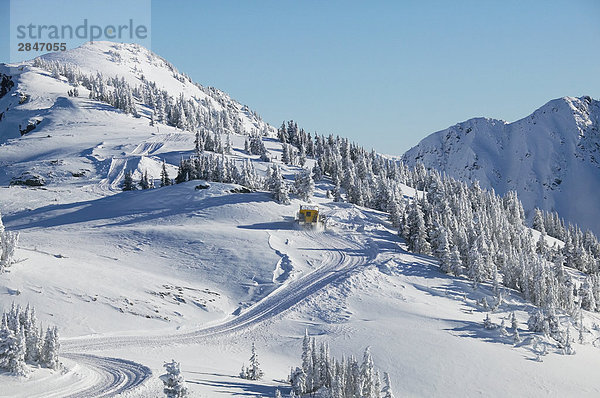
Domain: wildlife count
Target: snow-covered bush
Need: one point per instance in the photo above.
(487, 323)
(173, 381)
(22, 342)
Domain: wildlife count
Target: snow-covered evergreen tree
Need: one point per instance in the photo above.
(8, 244)
(487, 322)
(21, 342)
(278, 186)
(50, 348)
(417, 233)
(367, 374)
(174, 383)
(253, 371)
(304, 185)
(387, 386)
(538, 221)
(12, 351)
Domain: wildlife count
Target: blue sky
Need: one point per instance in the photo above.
(383, 73)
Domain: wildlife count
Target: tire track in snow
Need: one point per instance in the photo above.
(117, 375)
(91, 376)
(337, 265)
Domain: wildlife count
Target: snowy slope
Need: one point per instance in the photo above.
(353, 286)
(134, 279)
(135, 63)
(550, 158)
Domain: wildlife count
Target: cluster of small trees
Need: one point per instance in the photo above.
(8, 244)
(23, 342)
(215, 112)
(145, 182)
(581, 250)
(254, 145)
(218, 168)
(337, 378)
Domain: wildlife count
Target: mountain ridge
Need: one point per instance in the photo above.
(550, 158)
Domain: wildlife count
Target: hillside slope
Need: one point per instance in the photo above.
(550, 158)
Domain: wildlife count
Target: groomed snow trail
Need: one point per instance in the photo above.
(87, 376)
(342, 257)
(105, 377)
(115, 376)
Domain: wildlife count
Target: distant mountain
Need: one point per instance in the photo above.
(550, 158)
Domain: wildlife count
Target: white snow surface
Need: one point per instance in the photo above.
(134, 279)
(551, 158)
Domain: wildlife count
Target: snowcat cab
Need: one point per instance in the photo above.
(309, 215)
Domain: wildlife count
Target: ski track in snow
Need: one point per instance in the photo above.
(91, 376)
(115, 376)
(112, 376)
(338, 264)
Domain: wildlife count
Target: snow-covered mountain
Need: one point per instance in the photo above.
(33, 99)
(199, 271)
(550, 158)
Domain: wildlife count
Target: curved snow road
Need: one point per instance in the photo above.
(86, 376)
(114, 376)
(337, 265)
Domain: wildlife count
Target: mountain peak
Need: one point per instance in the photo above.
(551, 158)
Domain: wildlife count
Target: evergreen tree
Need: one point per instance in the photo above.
(298, 381)
(387, 386)
(367, 376)
(174, 383)
(12, 352)
(228, 149)
(128, 184)
(442, 249)
(417, 234)
(198, 144)
(164, 176)
(145, 183)
(8, 244)
(49, 353)
(538, 221)
(278, 187)
(285, 154)
(253, 371)
(487, 322)
(455, 262)
(304, 185)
